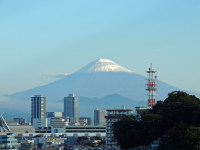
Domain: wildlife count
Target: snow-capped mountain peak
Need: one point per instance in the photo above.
(103, 65)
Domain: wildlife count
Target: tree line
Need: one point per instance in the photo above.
(175, 122)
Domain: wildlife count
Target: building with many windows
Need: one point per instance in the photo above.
(58, 122)
(99, 117)
(71, 108)
(113, 116)
(50, 115)
(38, 107)
(80, 130)
(8, 141)
(54, 114)
(40, 122)
(38, 111)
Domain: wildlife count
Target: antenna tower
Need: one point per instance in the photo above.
(151, 86)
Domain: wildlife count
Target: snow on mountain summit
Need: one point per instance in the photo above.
(103, 65)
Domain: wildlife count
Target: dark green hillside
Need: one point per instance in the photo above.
(176, 122)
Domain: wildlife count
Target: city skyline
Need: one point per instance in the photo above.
(40, 41)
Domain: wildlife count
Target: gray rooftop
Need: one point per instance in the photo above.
(22, 129)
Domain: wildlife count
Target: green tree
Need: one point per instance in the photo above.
(192, 136)
(182, 137)
(175, 121)
(126, 133)
(151, 128)
(174, 139)
(180, 107)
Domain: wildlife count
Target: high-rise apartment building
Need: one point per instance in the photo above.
(38, 111)
(38, 107)
(99, 117)
(71, 108)
(113, 116)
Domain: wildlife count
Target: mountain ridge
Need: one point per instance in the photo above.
(93, 84)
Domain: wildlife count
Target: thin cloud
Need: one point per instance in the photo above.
(54, 77)
(61, 75)
(4, 99)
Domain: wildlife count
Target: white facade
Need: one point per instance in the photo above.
(54, 114)
(50, 115)
(39, 122)
(58, 122)
(81, 130)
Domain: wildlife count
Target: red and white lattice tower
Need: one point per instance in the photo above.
(151, 86)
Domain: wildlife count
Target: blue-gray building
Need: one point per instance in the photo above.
(38, 107)
(71, 108)
(88, 119)
(99, 117)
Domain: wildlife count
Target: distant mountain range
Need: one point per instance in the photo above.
(114, 101)
(101, 84)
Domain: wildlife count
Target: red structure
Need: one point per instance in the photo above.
(151, 86)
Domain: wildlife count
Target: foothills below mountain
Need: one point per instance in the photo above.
(101, 84)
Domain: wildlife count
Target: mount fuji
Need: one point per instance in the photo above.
(103, 65)
(101, 84)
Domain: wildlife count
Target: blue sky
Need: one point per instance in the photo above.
(39, 39)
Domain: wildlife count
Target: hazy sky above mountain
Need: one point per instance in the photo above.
(42, 39)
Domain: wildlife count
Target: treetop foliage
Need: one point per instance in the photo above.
(176, 121)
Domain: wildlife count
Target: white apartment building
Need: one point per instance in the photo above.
(58, 122)
(113, 116)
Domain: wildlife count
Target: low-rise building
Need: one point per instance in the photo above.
(39, 122)
(50, 115)
(43, 130)
(85, 121)
(22, 129)
(81, 130)
(141, 110)
(8, 141)
(58, 122)
(20, 121)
